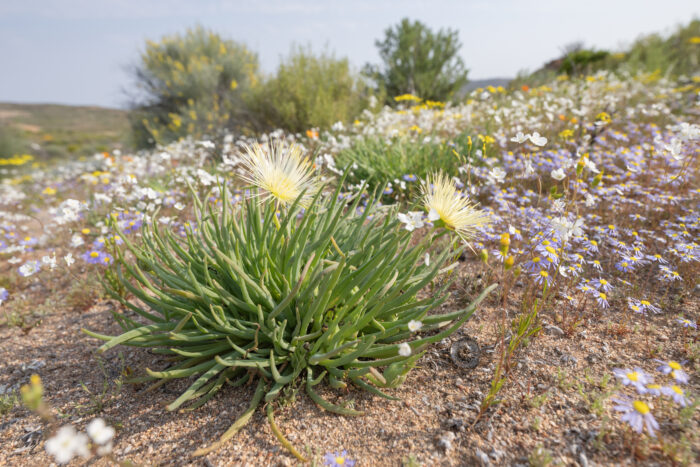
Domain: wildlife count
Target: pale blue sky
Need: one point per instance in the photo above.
(75, 51)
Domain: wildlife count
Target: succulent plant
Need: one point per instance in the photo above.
(282, 295)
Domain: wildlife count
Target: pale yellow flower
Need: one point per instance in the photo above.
(281, 172)
(445, 203)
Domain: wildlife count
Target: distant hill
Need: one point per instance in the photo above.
(60, 130)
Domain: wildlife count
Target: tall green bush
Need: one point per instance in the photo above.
(309, 91)
(191, 84)
(418, 61)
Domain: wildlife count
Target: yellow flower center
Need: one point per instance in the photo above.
(536, 259)
(653, 386)
(633, 376)
(640, 407)
(603, 282)
(677, 389)
(550, 249)
(94, 254)
(544, 274)
(340, 460)
(674, 365)
(603, 296)
(645, 302)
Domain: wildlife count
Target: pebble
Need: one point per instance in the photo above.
(554, 330)
(457, 424)
(582, 459)
(567, 358)
(483, 458)
(34, 365)
(445, 441)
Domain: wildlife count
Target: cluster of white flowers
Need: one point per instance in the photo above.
(68, 443)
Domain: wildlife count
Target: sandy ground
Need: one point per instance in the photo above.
(548, 402)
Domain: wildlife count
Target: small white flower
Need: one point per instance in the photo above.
(558, 174)
(69, 259)
(433, 215)
(14, 260)
(29, 268)
(520, 138)
(565, 228)
(99, 431)
(404, 349)
(179, 206)
(50, 261)
(538, 140)
(414, 326)
(529, 168)
(675, 148)
(66, 444)
(590, 165)
(76, 241)
(497, 175)
(413, 220)
(427, 259)
(104, 450)
(558, 206)
(590, 201)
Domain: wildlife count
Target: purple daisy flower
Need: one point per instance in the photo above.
(338, 459)
(92, 257)
(637, 378)
(602, 284)
(686, 323)
(674, 369)
(677, 394)
(637, 414)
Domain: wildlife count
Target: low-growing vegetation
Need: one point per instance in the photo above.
(507, 279)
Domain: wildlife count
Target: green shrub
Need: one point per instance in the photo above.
(582, 61)
(380, 161)
(191, 84)
(11, 142)
(420, 62)
(309, 91)
(323, 293)
(678, 53)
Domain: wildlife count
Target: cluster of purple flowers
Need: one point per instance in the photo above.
(636, 412)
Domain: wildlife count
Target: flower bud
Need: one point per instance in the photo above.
(484, 255)
(508, 263)
(505, 239)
